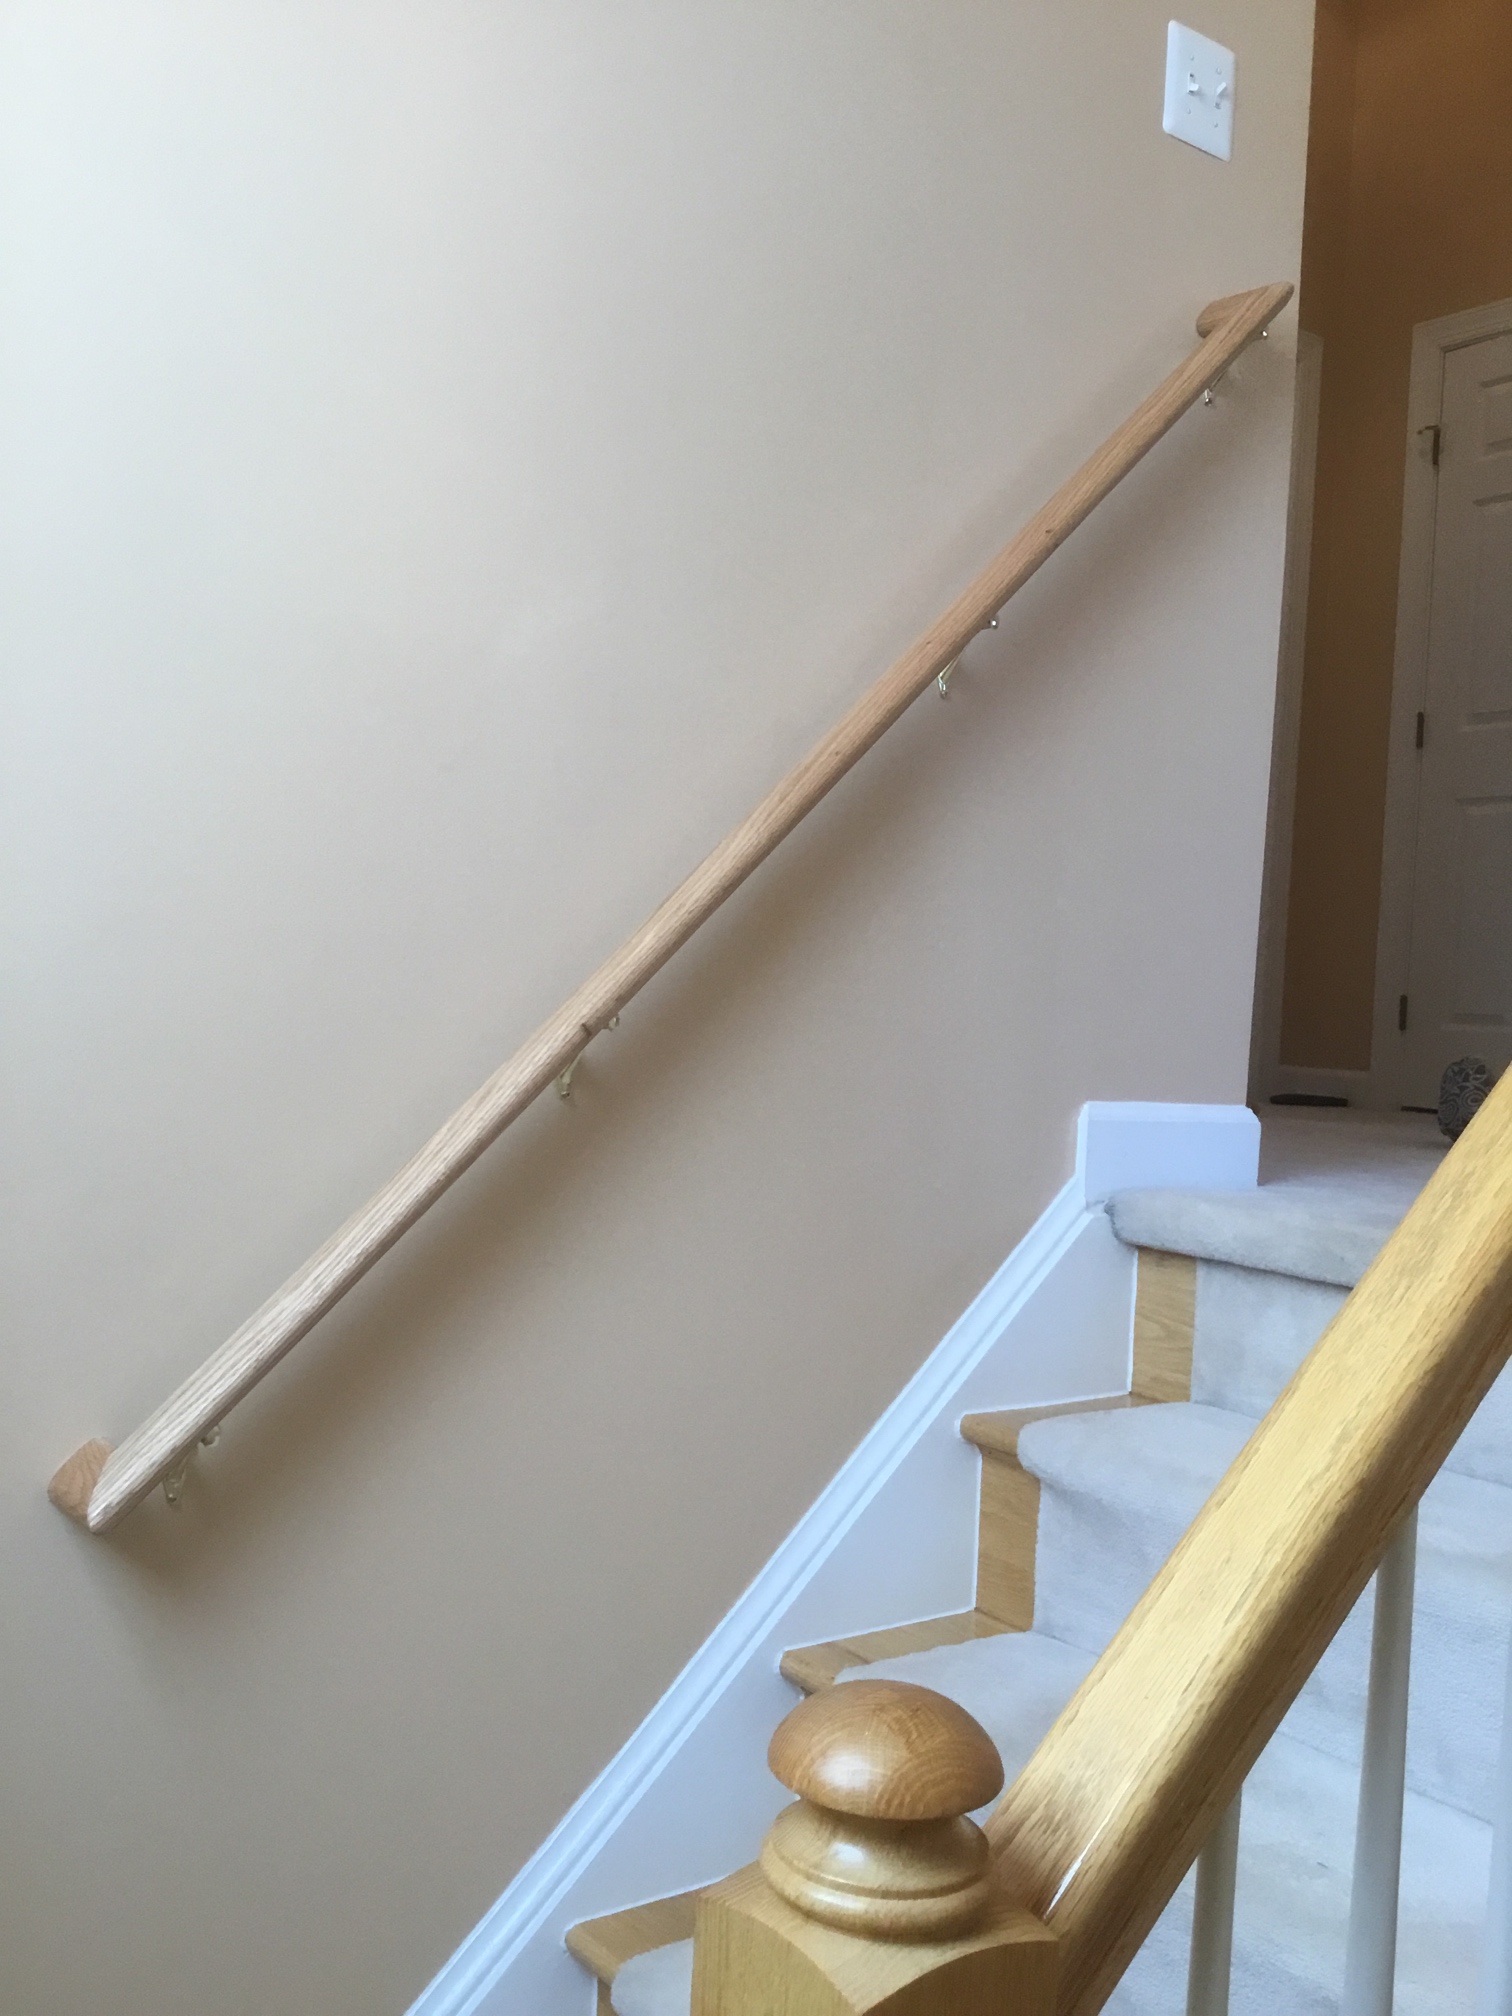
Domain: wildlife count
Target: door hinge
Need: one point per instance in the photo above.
(1402, 1011)
(1435, 435)
(1421, 724)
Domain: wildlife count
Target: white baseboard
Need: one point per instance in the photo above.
(891, 1539)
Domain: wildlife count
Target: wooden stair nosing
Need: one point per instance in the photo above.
(603, 1945)
(814, 1666)
(997, 1433)
(1163, 1325)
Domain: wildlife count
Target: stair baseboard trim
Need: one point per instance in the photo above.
(1135, 1146)
(1053, 1324)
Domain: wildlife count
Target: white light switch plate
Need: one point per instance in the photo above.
(1199, 91)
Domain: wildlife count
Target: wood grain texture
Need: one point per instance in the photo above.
(1007, 1528)
(1212, 319)
(151, 1451)
(753, 1950)
(886, 1750)
(926, 1880)
(1007, 1541)
(1008, 1509)
(877, 1841)
(814, 1666)
(1165, 1318)
(1107, 1815)
(603, 1945)
(72, 1483)
(997, 1433)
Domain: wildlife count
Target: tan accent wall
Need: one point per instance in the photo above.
(1408, 218)
(454, 457)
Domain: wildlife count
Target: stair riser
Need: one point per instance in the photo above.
(1459, 1640)
(1296, 1842)
(1252, 1331)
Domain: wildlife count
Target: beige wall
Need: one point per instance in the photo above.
(454, 457)
(1407, 219)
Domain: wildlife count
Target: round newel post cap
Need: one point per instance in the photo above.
(878, 1842)
(886, 1750)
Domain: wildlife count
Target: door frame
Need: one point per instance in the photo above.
(1431, 343)
(1266, 1072)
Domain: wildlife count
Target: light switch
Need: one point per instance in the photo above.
(1199, 91)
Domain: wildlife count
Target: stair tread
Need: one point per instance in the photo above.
(1282, 1230)
(814, 1666)
(1331, 1193)
(997, 1433)
(604, 1945)
(1015, 1694)
(1298, 1840)
(1117, 1483)
(1295, 1860)
(1170, 1454)
(1118, 1490)
(1167, 1458)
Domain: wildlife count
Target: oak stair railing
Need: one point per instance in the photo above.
(874, 1893)
(99, 1485)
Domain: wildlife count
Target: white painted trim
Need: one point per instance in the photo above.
(497, 1941)
(1431, 341)
(1280, 818)
(892, 1538)
(1132, 1146)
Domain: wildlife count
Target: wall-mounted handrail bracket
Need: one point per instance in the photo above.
(564, 1078)
(99, 1486)
(943, 678)
(1218, 376)
(177, 1477)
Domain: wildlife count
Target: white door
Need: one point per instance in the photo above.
(1459, 983)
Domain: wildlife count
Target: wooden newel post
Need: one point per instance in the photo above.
(874, 1892)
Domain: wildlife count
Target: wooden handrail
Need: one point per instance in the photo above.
(1104, 1820)
(99, 1486)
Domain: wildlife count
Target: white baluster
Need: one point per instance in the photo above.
(1495, 1997)
(1370, 1958)
(1213, 1918)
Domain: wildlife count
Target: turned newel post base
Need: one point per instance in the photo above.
(874, 1892)
(756, 1955)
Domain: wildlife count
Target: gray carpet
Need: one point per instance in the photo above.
(1333, 1186)
(1117, 1491)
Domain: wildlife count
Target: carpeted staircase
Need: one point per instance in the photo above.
(1116, 1489)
